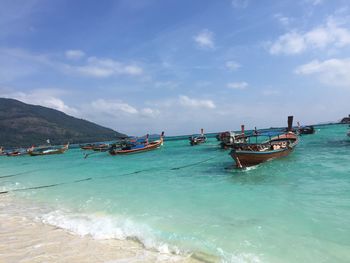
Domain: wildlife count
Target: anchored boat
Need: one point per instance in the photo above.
(250, 154)
(17, 152)
(195, 140)
(101, 147)
(129, 147)
(229, 139)
(88, 146)
(306, 129)
(48, 150)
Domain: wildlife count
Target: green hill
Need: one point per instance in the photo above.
(24, 125)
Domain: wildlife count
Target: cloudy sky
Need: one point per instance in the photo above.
(142, 66)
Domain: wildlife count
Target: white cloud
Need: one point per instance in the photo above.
(205, 39)
(270, 92)
(74, 54)
(37, 63)
(283, 20)
(232, 65)
(43, 97)
(170, 85)
(290, 43)
(240, 3)
(118, 108)
(332, 34)
(315, 2)
(102, 68)
(196, 103)
(148, 112)
(113, 107)
(332, 72)
(237, 85)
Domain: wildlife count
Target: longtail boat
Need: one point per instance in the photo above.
(306, 129)
(251, 154)
(101, 147)
(47, 150)
(229, 139)
(136, 146)
(88, 146)
(195, 140)
(17, 152)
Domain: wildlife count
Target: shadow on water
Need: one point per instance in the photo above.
(338, 143)
(273, 172)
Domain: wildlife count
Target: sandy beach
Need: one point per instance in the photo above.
(24, 239)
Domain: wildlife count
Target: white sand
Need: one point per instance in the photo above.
(24, 240)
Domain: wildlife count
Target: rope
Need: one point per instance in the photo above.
(91, 178)
(11, 175)
(193, 164)
(46, 186)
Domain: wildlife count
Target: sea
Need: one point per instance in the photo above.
(190, 200)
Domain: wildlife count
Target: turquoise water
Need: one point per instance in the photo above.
(182, 199)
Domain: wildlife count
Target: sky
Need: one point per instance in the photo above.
(144, 66)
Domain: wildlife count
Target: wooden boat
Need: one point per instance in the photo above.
(248, 154)
(229, 139)
(101, 147)
(88, 146)
(16, 153)
(195, 140)
(95, 147)
(47, 150)
(306, 129)
(136, 146)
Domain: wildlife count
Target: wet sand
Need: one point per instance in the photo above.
(24, 239)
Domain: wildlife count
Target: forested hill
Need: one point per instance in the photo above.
(24, 125)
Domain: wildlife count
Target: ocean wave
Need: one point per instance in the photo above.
(108, 227)
(9, 186)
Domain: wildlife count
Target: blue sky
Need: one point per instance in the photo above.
(175, 65)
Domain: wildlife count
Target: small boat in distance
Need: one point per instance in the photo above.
(306, 129)
(48, 150)
(101, 147)
(229, 138)
(88, 146)
(250, 154)
(16, 152)
(136, 146)
(195, 140)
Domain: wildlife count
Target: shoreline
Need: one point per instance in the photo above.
(24, 239)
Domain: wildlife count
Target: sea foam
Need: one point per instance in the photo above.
(108, 227)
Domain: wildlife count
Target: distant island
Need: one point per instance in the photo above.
(346, 120)
(23, 124)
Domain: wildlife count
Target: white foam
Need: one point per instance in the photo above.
(107, 227)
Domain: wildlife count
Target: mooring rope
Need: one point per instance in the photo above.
(46, 186)
(192, 164)
(12, 175)
(107, 176)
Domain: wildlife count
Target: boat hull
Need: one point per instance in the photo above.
(86, 147)
(247, 158)
(151, 146)
(50, 152)
(307, 130)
